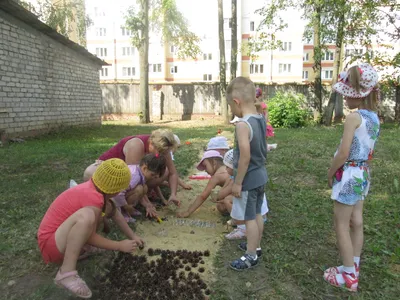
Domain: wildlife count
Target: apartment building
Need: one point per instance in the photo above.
(109, 39)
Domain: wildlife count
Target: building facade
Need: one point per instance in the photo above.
(109, 39)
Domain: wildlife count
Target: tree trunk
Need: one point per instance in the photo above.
(144, 65)
(333, 99)
(317, 58)
(234, 40)
(222, 68)
(397, 106)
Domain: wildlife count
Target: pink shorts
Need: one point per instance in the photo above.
(49, 250)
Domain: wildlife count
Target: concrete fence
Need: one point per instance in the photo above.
(186, 101)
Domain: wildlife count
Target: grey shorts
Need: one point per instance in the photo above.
(249, 205)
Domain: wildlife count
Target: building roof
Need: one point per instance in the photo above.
(17, 11)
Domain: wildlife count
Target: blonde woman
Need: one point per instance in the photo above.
(132, 149)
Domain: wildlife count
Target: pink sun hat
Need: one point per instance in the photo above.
(208, 154)
(368, 80)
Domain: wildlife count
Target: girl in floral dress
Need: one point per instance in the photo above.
(349, 174)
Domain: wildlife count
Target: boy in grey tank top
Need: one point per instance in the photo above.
(250, 174)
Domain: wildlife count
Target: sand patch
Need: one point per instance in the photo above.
(203, 230)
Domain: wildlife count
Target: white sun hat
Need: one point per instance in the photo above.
(368, 80)
(218, 142)
(228, 159)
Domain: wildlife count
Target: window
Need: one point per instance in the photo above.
(286, 46)
(172, 49)
(306, 56)
(285, 68)
(154, 68)
(128, 71)
(207, 77)
(101, 52)
(99, 12)
(327, 74)
(327, 56)
(305, 75)
(127, 51)
(251, 26)
(228, 23)
(101, 32)
(174, 69)
(207, 56)
(256, 68)
(350, 52)
(125, 31)
(103, 72)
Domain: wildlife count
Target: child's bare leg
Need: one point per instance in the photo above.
(356, 230)
(73, 234)
(342, 222)
(225, 206)
(253, 236)
(260, 224)
(133, 196)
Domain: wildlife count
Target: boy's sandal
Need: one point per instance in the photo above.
(243, 263)
(75, 284)
(243, 246)
(236, 234)
(89, 250)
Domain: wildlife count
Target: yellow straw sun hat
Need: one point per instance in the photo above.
(112, 176)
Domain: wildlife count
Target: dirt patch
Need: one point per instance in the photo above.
(20, 288)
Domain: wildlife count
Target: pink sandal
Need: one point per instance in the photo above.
(350, 281)
(76, 286)
(236, 234)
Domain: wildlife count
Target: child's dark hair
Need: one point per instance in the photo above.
(155, 163)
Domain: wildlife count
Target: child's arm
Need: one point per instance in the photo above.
(101, 242)
(242, 133)
(123, 225)
(226, 190)
(352, 122)
(172, 179)
(212, 183)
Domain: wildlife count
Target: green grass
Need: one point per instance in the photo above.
(298, 242)
(34, 173)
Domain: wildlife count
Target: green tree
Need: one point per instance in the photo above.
(361, 23)
(161, 17)
(66, 16)
(234, 40)
(222, 64)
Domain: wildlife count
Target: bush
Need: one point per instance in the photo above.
(287, 110)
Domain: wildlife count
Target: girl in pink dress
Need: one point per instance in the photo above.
(262, 108)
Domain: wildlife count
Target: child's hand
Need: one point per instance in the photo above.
(138, 240)
(183, 214)
(330, 181)
(127, 246)
(174, 201)
(236, 190)
(151, 211)
(186, 186)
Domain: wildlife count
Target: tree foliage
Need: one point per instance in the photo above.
(162, 18)
(362, 23)
(65, 16)
(167, 21)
